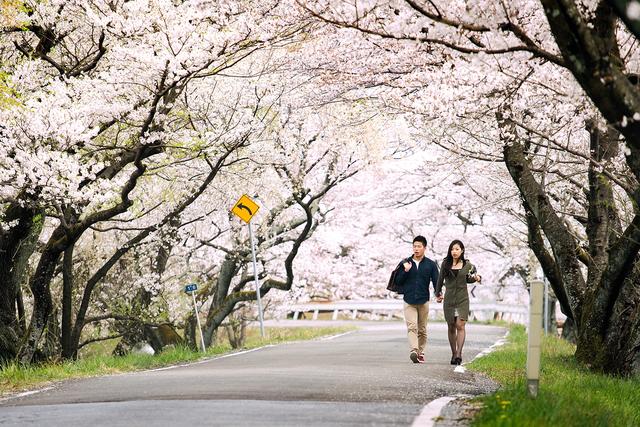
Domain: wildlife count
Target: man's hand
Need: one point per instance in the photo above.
(407, 266)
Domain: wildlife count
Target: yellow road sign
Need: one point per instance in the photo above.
(245, 208)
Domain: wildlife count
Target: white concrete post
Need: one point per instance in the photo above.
(535, 337)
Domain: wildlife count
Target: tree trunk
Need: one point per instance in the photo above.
(42, 303)
(623, 337)
(602, 228)
(227, 272)
(172, 219)
(565, 249)
(613, 346)
(69, 351)
(547, 261)
(22, 315)
(236, 331)
(569, 330)
(607, 306)
(551, 317)
(16, 246)
(190, 332)
(133, 331)
(49, 350)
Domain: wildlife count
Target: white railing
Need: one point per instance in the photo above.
(393, 308)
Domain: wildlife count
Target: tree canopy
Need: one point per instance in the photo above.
(129, 129)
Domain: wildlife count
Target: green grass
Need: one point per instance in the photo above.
(569, 394)
(15, 377)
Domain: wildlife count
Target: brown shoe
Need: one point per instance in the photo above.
(414, 357)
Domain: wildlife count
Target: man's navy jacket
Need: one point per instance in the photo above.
(415, 282)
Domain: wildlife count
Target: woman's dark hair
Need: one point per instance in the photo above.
(448, 260)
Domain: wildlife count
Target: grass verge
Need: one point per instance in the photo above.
(15, 377)
(569, 394)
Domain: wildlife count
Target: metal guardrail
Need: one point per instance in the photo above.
(394, 308)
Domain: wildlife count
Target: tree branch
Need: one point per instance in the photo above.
(110, 337)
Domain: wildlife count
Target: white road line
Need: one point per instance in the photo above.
(332, 337)
(26, 393)
(431, 411)
(166, 368)
(210, 359)
(502, 341)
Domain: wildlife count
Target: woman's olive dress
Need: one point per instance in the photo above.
(456, 295)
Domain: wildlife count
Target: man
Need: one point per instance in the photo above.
(413, 278)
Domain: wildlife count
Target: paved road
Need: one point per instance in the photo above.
(361, 378)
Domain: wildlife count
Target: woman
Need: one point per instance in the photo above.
(455, 273)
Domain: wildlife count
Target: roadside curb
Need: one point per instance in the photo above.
(432, 413)
(25, 393)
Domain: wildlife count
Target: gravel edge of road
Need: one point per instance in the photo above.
(460, 411)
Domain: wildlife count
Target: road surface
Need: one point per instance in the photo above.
(359, 378)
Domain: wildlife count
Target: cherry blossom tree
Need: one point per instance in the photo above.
(501, 91)
(99, 91)
(377, 213)
(307, 157)
(129, 124)
(125, 141)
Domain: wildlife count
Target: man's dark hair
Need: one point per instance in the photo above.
(420, 239)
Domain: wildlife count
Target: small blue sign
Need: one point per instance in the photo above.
(190, 288)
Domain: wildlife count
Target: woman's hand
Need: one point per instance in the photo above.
(478, 278)
(439, 298)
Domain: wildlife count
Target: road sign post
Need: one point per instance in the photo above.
(535, 337)
(191, 289)
(255, 278)
(245, 209)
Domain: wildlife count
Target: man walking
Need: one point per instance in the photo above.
(413, 278)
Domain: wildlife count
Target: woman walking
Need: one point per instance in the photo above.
(455, 273)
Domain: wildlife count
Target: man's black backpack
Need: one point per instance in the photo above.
(391, 286)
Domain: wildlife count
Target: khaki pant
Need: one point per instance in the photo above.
(416, 318)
